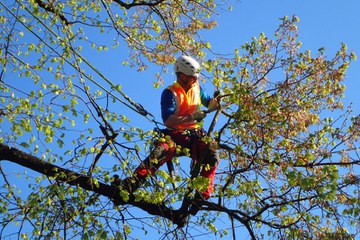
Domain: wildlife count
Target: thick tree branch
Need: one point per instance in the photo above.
(60, 174)
(140, 3)
(72, 178)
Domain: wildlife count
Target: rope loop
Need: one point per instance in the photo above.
(141, 110)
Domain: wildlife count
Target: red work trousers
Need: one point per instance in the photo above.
(199, 151)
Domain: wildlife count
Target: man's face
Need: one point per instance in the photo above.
(187, 80)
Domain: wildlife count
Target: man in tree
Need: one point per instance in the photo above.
(180, 109)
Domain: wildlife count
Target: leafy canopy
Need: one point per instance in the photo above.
(287, 143)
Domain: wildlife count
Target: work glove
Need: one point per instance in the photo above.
(216, 93)
(198, 116)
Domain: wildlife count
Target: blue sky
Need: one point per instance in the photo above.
(322, 24)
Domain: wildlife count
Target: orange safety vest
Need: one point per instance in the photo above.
(186, 103)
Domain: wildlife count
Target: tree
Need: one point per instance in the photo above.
(288, 147)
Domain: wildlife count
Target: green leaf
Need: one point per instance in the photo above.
(25, 145)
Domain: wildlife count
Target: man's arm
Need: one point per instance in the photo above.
(174, 120)
(211, 103)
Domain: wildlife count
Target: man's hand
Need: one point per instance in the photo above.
(216, 93)
(214, 102)
(198, 116)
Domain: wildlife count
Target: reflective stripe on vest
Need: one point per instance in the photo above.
(186, 103)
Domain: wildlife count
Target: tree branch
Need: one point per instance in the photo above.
(72, 178)
(140, 3)
(50, 8)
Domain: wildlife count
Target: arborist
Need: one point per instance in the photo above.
(180, 111)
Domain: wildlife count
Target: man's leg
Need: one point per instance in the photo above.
(162, 153)
(209, 160)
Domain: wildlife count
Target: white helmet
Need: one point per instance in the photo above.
(187, 65)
